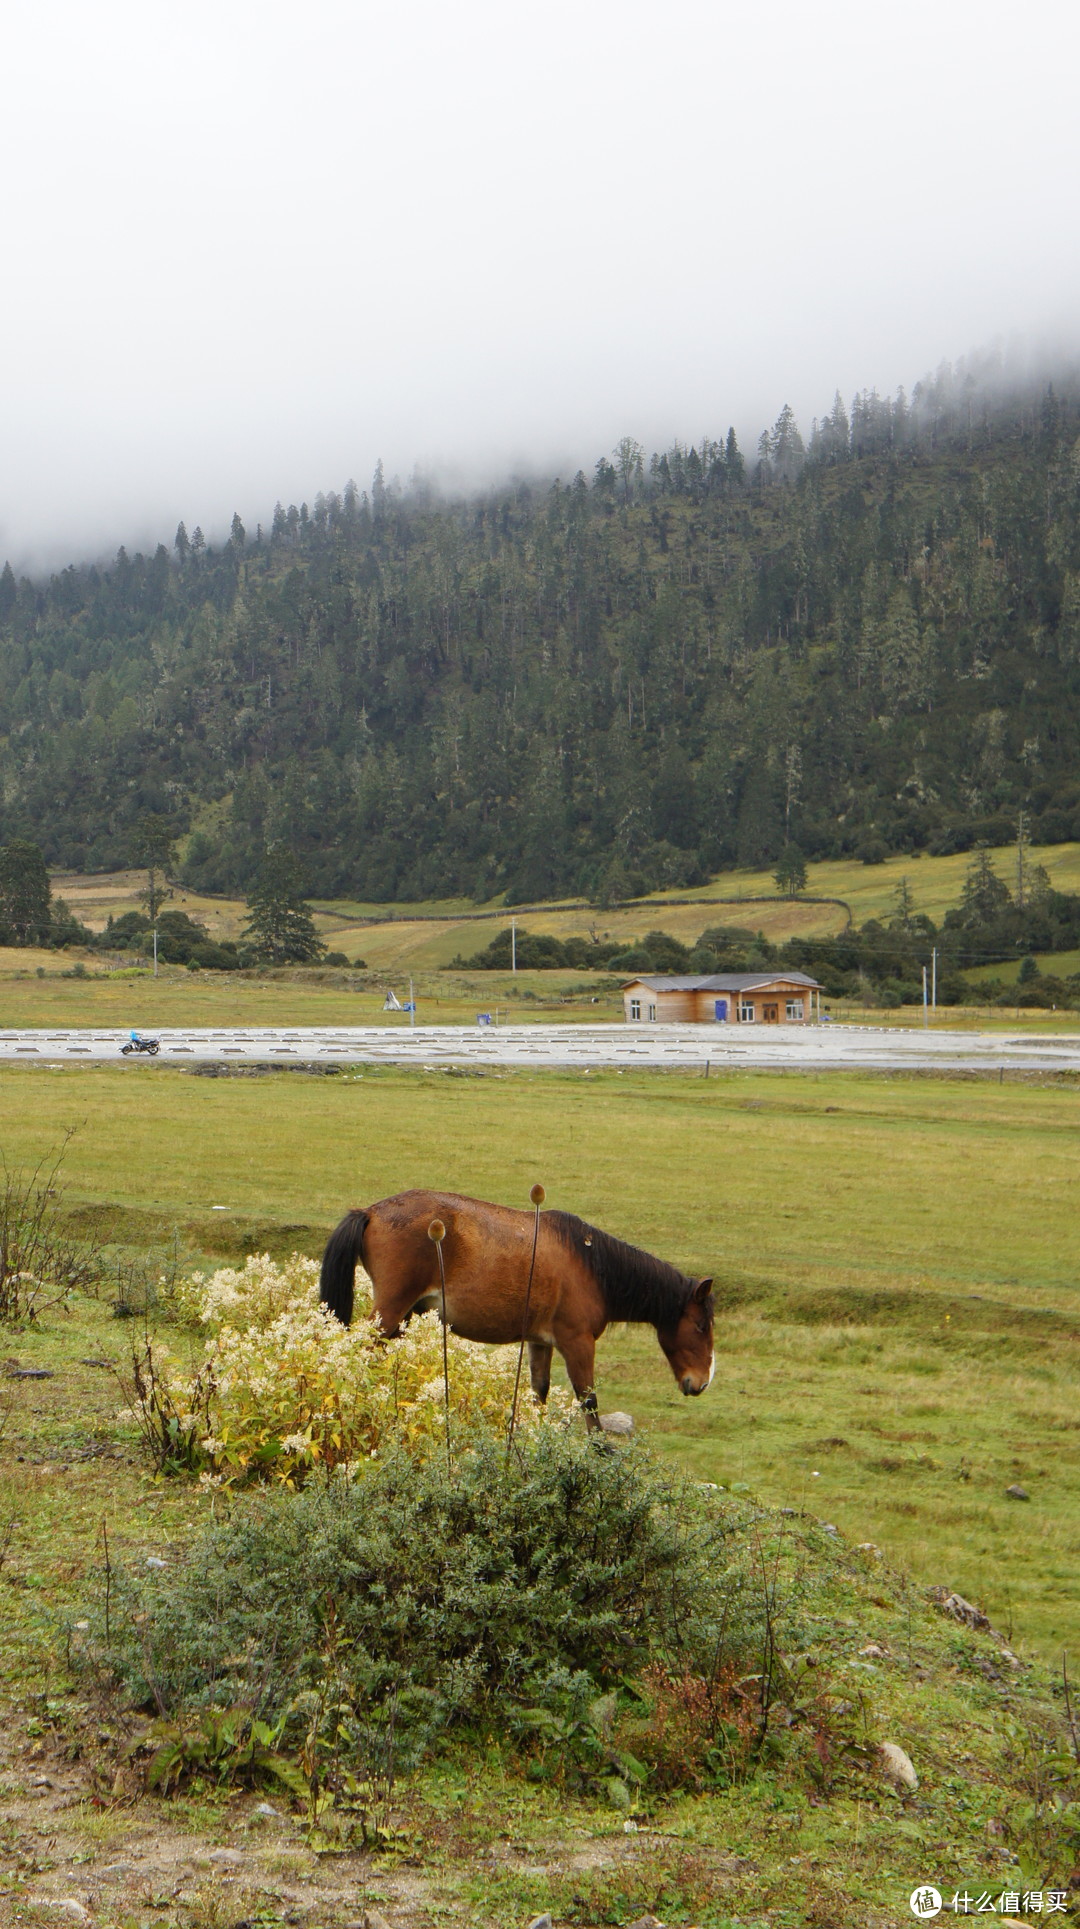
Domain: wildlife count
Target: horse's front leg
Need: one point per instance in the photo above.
(540, 1352)
(579, 1353)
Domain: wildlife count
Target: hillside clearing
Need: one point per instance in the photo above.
(426, 936)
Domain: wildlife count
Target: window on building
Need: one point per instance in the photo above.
(635, 1007)
(746, 1014)
(794, 1007)
(652, 1012)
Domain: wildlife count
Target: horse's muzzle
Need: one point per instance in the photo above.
(689, 1385)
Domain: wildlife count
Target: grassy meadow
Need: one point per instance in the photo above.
(895, 1258)
(895, 1267)
(291, 996)
(424, 937)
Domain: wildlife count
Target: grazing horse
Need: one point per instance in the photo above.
(582, 1279)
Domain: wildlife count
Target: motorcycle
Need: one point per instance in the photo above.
(148, 1045)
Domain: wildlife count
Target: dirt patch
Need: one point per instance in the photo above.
(77, 1834)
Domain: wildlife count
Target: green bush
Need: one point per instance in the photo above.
(489, 1591)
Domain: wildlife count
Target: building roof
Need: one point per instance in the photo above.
(727, 981)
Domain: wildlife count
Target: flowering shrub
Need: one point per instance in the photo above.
(282, 1387)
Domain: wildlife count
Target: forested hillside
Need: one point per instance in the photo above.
(869, 642)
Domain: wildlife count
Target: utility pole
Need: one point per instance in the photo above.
(925, 1006)
(513, 944)
(933, 978)
(155, 950)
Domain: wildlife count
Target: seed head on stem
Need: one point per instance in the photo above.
(436, 1232)
(537, 1195)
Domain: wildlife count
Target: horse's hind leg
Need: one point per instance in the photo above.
(579, 1353)
(540, 1352)
(394, 1303)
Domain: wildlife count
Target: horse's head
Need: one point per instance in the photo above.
(689, 1343)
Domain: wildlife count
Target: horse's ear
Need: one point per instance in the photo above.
(702, 1290)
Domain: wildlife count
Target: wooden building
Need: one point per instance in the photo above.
(727, 997)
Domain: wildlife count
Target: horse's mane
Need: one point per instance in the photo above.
(635, 1285)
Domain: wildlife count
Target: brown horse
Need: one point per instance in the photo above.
(582, 1279)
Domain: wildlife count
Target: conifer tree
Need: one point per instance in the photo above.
(8, 591)
(152, 848)
(984, 893)
(280, 928)
(790, 873)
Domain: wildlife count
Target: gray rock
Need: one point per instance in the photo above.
(898, 1765)
(541, 1922)
(647, 1922)
(955, 1605)
(68, 1907)
(266, 1812)
(152, 1560)
(617, 1423)
(1017, 1493)
(222, 1858)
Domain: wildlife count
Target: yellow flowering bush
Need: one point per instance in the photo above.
(282, 1387)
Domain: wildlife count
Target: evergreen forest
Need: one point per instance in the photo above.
(858, 641)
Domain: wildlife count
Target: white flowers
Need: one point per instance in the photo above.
(252, 1296)
(283, 1387)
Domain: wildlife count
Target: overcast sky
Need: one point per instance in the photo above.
(250, 247)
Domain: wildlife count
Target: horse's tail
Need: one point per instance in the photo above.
(343, 1248)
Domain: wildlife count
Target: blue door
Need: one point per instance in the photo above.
(721, 1011)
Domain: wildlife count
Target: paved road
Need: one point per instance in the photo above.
(796, 1048)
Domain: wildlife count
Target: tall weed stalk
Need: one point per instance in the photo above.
(42, 1260)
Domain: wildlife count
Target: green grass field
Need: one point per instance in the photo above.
(897, 1329)
(38, 988)
(895, 1259)
(323, 996)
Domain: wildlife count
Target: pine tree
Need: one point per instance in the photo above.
(985, 894)
(790, 873)
(280, 928)
(152, 848)
(630, 464)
